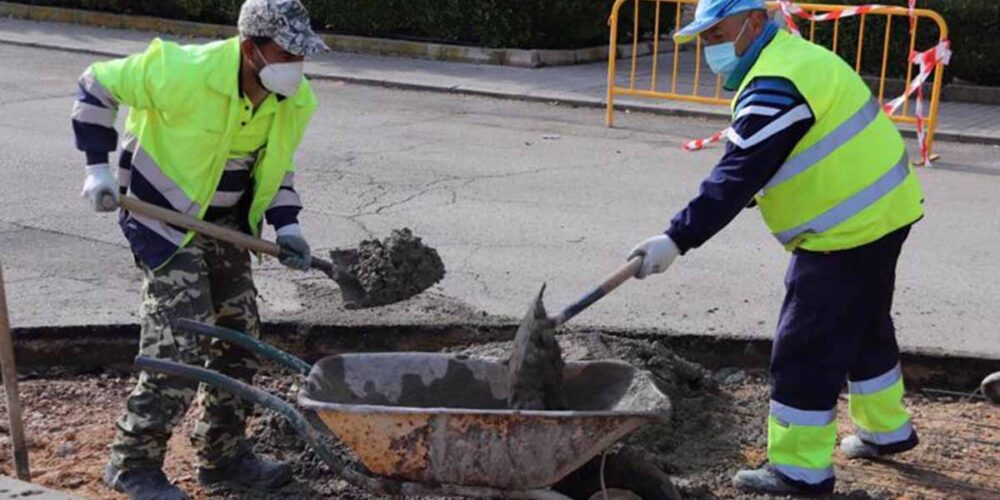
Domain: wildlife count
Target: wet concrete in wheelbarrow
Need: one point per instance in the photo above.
(717, 427)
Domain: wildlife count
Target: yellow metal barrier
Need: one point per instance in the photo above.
(713, 92)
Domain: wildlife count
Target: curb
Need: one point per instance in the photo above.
(88, 348)
(524, 58)
(590, 103)
(598, 103)
(116, 21)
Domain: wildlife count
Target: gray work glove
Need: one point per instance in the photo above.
(100, 183)
(294, 249)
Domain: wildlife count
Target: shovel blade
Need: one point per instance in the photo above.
(351, 291)
(535, 366)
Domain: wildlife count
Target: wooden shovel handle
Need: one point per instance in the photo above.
(607, 286)
(9, 370)
(137, 206)
(178, 219)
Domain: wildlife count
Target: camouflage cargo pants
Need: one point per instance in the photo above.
(208, 281)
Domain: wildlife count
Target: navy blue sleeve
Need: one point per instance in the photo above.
(286, 205)
(769, 119)
(94, 113)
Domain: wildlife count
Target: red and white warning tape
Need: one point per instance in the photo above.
(696, 144)
(926, 61)
(789, 10)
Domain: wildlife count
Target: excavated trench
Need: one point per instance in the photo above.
(82, 349)
(76, 380)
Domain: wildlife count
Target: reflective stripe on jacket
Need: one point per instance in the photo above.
(848, 181)
(184, 115)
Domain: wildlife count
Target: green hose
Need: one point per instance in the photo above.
(247, 342)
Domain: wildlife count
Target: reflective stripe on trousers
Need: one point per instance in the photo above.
(877, 408)
(800, 442)
(804, 474)
(852, 205)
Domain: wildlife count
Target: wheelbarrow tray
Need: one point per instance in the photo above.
(428, 424)
(442, 418)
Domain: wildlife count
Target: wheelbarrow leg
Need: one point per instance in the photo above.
(313, 439)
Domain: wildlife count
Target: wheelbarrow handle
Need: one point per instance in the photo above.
(247, 342)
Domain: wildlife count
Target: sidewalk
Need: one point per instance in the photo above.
(580, 85)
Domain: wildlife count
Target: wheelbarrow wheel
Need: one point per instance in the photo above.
(625, 471)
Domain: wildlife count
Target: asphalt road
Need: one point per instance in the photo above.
(512, 194)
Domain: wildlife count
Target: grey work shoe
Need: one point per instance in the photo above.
(769, 481)
(143, 484)
(763, 480)
(854, 447)
(246, 471)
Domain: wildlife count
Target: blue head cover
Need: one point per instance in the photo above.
(710, 12)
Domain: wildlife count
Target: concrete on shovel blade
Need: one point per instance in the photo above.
(536, 364)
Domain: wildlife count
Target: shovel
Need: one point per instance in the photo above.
(16, 424)
(352, 292)
(535, 365)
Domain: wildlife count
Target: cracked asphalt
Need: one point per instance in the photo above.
(512, 194)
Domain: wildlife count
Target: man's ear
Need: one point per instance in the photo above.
(758, 18)
(246, 48)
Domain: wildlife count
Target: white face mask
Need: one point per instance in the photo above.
(281, 78)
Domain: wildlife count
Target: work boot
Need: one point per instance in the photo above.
(246, 471)
(142, 484)
(854, 447)
(765, 480)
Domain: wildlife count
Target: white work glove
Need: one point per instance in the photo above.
(100, 183)
(657, 254)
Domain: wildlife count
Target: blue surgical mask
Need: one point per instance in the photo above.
(722, 57)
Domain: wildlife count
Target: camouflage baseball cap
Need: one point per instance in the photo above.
(284, 21)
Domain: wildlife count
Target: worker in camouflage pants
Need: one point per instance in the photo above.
(208, 281)
(211, 134)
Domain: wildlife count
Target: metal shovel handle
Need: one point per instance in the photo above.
(597, 293)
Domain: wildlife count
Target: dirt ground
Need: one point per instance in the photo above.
(717, 428)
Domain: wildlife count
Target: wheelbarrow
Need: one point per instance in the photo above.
(438, 424)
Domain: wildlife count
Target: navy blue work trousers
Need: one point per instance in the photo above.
(836, 322)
